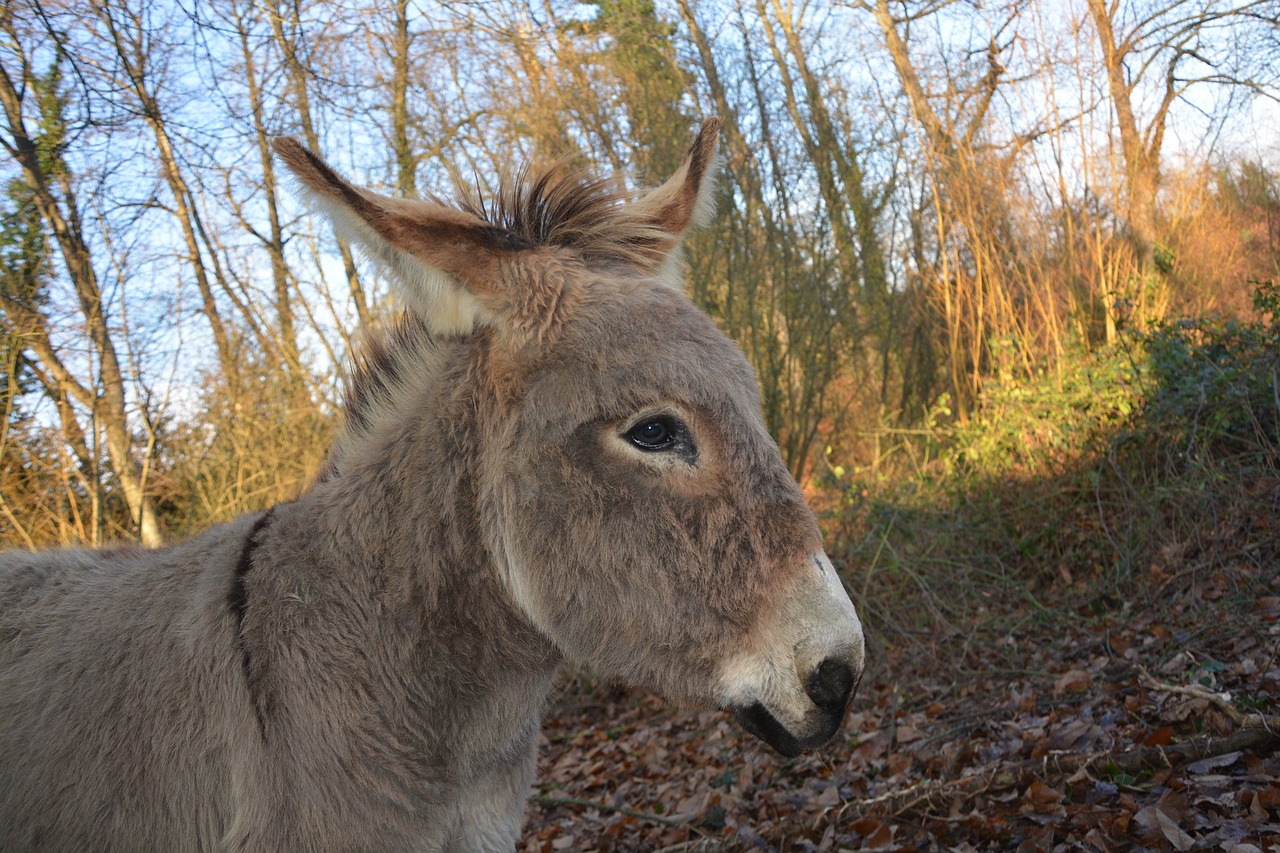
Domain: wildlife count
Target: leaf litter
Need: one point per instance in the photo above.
(1147, 727)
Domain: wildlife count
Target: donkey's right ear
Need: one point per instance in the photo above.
(686, 200)
(443, 262)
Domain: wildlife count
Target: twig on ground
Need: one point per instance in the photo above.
(606, 807)
(1221, 701)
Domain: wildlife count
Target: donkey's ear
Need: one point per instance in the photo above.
(445, 263)
(686, 200)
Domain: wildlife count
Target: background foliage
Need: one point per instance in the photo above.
(931, 215)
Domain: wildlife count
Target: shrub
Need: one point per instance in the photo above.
(1216, 382)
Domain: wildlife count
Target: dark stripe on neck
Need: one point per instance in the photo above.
(238, 600)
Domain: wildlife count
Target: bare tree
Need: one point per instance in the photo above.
(127, 32)
(53, 190)
(982, 286)
(287, 29)
(1164, 49)
(789, 282)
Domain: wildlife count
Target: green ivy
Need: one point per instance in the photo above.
(1216, 382)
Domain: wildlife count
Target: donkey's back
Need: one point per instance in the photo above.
(122, 713)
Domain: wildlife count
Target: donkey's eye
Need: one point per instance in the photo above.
(657, 433)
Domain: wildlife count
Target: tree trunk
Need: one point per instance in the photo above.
(111, 404)
(297, 75)
(406, 163)
(1141, 163)
(132, 54)
(280, 278)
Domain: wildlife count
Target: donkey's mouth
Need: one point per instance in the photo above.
(757, 720)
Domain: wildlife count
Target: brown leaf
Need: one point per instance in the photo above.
(906, 734)
(898, 764)
(1078, 735)
(875, 834)
(1176, 836)
(830, 797)
(1121, 643)
(1147, 821)
(873, 745)
(1177, 664)
(1098, 840)
(1073, 681)
(1257, 809)
(1039, 792)
(1268, 607)
(1269, 797)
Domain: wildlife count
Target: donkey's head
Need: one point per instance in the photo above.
(635, 507)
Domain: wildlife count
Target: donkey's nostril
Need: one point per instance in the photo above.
(830, 684)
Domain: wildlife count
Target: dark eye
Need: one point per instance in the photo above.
(657, 433)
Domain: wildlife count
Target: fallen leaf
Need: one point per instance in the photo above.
(907, 734)
(1270, 797)
(1039, 792)
(828, 798)
(1177, 664)
(1078, 735)
(1073, 681)
(1174, 833)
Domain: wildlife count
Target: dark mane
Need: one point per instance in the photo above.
(386, 361)
(378, 366)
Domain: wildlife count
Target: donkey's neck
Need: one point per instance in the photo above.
(426, 641)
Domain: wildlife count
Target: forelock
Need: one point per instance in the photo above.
(556, 205)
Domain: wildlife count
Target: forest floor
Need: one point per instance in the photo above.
(1079, 722)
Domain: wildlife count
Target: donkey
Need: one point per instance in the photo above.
(556, 457)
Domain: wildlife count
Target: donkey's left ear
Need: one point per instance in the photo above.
(686, 200)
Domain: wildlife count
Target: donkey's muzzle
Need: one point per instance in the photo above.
(757, 720)
(831, 685)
